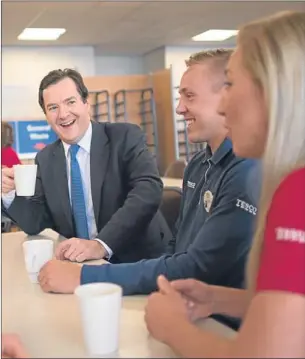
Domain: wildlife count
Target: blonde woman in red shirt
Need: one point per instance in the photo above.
(264, 103)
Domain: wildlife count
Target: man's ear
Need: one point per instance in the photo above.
(88, 105)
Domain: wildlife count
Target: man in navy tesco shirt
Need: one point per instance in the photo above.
(214, 228)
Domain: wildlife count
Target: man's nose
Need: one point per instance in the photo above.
(181, 108)
(63, 112)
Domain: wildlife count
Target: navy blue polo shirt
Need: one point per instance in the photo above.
(214, 229)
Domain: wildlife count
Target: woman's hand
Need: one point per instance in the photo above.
(198, 296)
(12, 347)
(164, 310)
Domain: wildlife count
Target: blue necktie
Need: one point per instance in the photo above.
(77, 196)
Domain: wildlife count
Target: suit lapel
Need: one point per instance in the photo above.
(99, 156)
(61, 180)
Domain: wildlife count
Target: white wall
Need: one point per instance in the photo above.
(118, 65)
(154, 60)
(23, 68)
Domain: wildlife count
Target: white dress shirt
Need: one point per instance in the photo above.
(83, 158)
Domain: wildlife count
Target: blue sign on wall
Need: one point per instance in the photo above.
(31, 137)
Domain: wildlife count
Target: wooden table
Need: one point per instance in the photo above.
(49, 324)
(172, 182)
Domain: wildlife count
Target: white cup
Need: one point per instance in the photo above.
(37, 253)
(100, 305)
(25, 179)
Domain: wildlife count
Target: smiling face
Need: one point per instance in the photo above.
(245, 110)
(66, 111)
(200, 93)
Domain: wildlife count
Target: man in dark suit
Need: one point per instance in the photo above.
(98, 182)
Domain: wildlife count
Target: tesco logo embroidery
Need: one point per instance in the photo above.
(290, 235)
(246, 207)
(191, 184)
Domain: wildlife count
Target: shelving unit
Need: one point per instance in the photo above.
(101, 110)
(147, 112)
(145, 115)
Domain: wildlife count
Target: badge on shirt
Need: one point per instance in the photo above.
(207, 200)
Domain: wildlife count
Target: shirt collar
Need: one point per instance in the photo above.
(84, 142)
(220, 153)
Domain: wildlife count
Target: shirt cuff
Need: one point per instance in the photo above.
(93, 274)
(8, 198)
(108, 250)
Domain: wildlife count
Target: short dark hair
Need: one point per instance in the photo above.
(7, 135)
(55, 76)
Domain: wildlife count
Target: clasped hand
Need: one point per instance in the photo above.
(80, 250)
(176, 304)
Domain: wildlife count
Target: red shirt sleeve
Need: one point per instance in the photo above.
(282, 265)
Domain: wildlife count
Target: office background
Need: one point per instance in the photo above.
(131, 55)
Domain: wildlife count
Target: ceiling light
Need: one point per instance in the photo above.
(215, 35)
(49, 34)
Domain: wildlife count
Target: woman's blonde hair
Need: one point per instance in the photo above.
(273, 51)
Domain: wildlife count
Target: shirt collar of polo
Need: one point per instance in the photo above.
(220, 153)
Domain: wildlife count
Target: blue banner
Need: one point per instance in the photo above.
(32, 136)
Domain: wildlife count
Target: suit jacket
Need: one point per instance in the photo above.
(126, 193)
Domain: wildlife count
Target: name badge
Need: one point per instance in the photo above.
(207, 200)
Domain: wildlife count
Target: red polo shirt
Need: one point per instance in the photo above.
(282, 264)
(9, 157)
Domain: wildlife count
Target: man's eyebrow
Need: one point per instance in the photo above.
(65, 100)
(183, 90)
(70, 98)
(51, 104)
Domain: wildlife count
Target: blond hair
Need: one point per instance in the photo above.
(217, 55)
(273, 51)
(217, 60)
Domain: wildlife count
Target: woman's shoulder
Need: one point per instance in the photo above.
(292, 179)
(283, 254)
(291, 189)
(9, 157)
